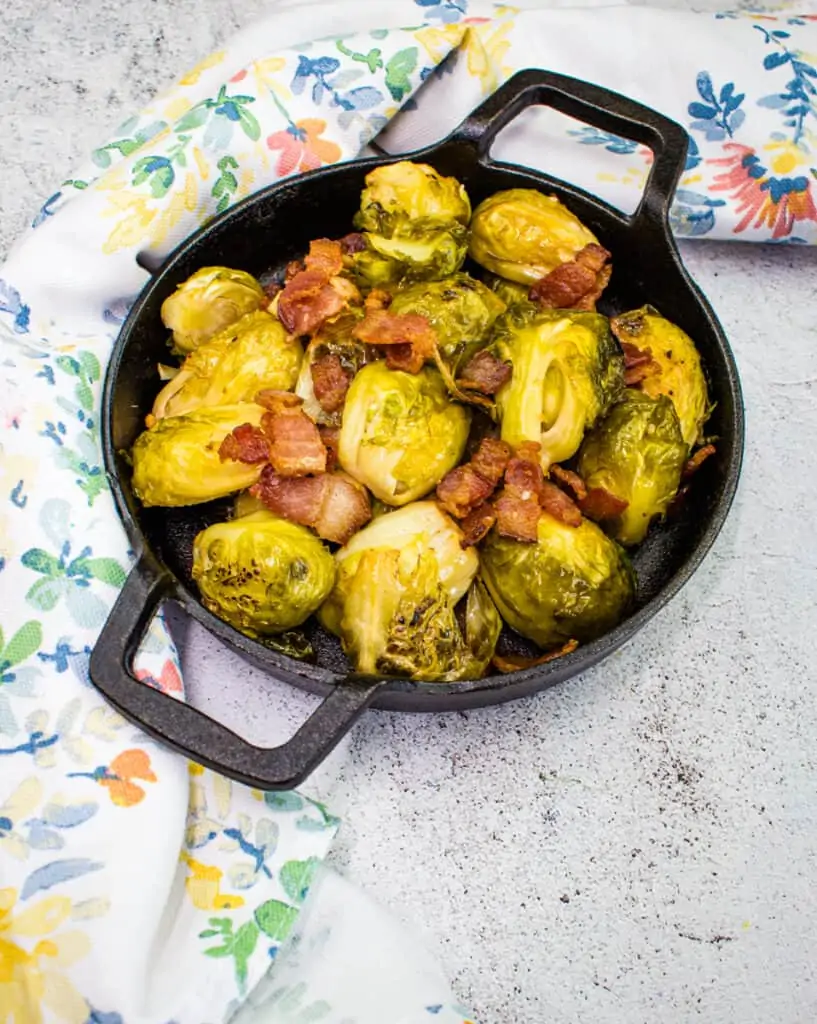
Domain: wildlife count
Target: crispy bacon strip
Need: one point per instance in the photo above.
(477, 524)
(245, 443)
(330, 437)
(408, 338)
(557, 504)
(325, 256)
(695, 462)
(462, 490)
(599, 504)
(570, 482)
(523, 475)
(330, 382)
(314, 294)
(332, 504)
(517, 517)
(576, 284)
(378, 298)
(295, 447)
(292, 268)
(638, 363)
(278, 401)
(485, 373)
(352, 243)
(516, 662)
(491, 458)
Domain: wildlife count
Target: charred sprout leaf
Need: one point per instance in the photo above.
(207, 302)
(233, 366)
(461, 310)
(400, 433)
(176, 462)
(522, 235)
(567, 371)
(398, 582)
(574, 583)
(262, 574)
(678, 372)
(636, 453)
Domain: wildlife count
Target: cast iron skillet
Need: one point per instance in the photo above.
(272, 227)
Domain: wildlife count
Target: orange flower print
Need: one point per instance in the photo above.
(302, 148)
(169, 680)
(118, 776)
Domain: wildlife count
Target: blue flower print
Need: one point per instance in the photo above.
(718, 116)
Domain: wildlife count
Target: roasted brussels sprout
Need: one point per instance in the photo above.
(574, 583)
(233, 366)
(567, 371)
(460, 309)
(675, 369)
(637, 454)
(207, 302)
(511, 292)
(522, 235)
(398, 582)
(262, 574)
(176, 462)
(415, 225)
(400, 433)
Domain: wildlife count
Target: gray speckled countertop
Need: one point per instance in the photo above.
(638, 845)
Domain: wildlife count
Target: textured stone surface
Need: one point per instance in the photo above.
(640, 844)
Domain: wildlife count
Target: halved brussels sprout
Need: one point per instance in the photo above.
(636, 453)
(574, 583)
(176, 462)
(393, 605)
(522, 235)
(207, 302)
(233, 366)
(567, 371)
(262, 574)
(461, 310)
(400, 433)
(677, 371)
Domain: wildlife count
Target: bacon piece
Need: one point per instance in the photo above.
(352, 243)
(271, 289)
(314, 294)
(292, 268)
(695, 462)
(330, 437)
(330, 382)
(278, 402)
(325, 256)
(409, 338)
(517, 517)
(557, 504)
(485, 373)
(517, 662)
(332, 504)
(378, 298)
(477, 523)
(296, 448)
(245, 443)
(638, 363)
(576, 284)
(523, 475)
(569, 481)
(600, 504)
(490, 459)
(462, 490)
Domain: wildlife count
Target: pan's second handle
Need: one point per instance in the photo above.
(596, 106)
(190, 731)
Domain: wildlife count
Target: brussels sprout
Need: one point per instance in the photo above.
(460, 309)
(567, 371)
(233, 366)
(574, 583)
(522, 235)
(636, 453)
(511, 293)
(206, 303)
(177, 461)
(245, 504)
(400, 433)
(398, 582)
(676, 367)
(262, 574)
(334, 338)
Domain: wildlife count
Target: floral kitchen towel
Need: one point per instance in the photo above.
(136, 888)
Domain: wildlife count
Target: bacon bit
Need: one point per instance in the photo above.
(490, 459)
(278, 401)
(378, 298)
(517, 517)
(330, 382)
(569, 481)
(462, 490)
(245, 443)
(485, 373)
(296, 448)
(352, 243)
(517, 662)
(344, 510)
(325, 256)
(523, 476)
(477, 524)
(409, 338)
(271, 289)
(331, 438)
(314, 294)
(557, 504)
(696, 461)
(600, 504)
(638, 363)
(676, 506)
(292, 268)
(576, 284)
(332, 504)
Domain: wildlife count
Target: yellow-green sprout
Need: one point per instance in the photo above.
(400, 433)
(567, 371)
(636, 453)
(233, 366)
(176, 462)
(511, 292)
(393, 605)
(207, 302)
(522, 235)
(262, 574)
(574, 583)
(678, 373)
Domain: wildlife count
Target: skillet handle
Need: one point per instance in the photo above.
(188, 730)
(596, 106)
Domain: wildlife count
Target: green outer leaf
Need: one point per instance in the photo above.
(296, 877)
(40, 561)
(276, 919)
(398, 70)
(23, 644)
(45, 594)
(107, 570)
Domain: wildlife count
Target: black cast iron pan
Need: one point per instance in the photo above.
(274, 226)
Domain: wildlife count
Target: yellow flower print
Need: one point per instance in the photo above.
(192, 76)
(176, 108)
(203, 885)
(486, 47)
(19, 806)
(787, 156)
(33, 953)
(438, 42)
(143, 222)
